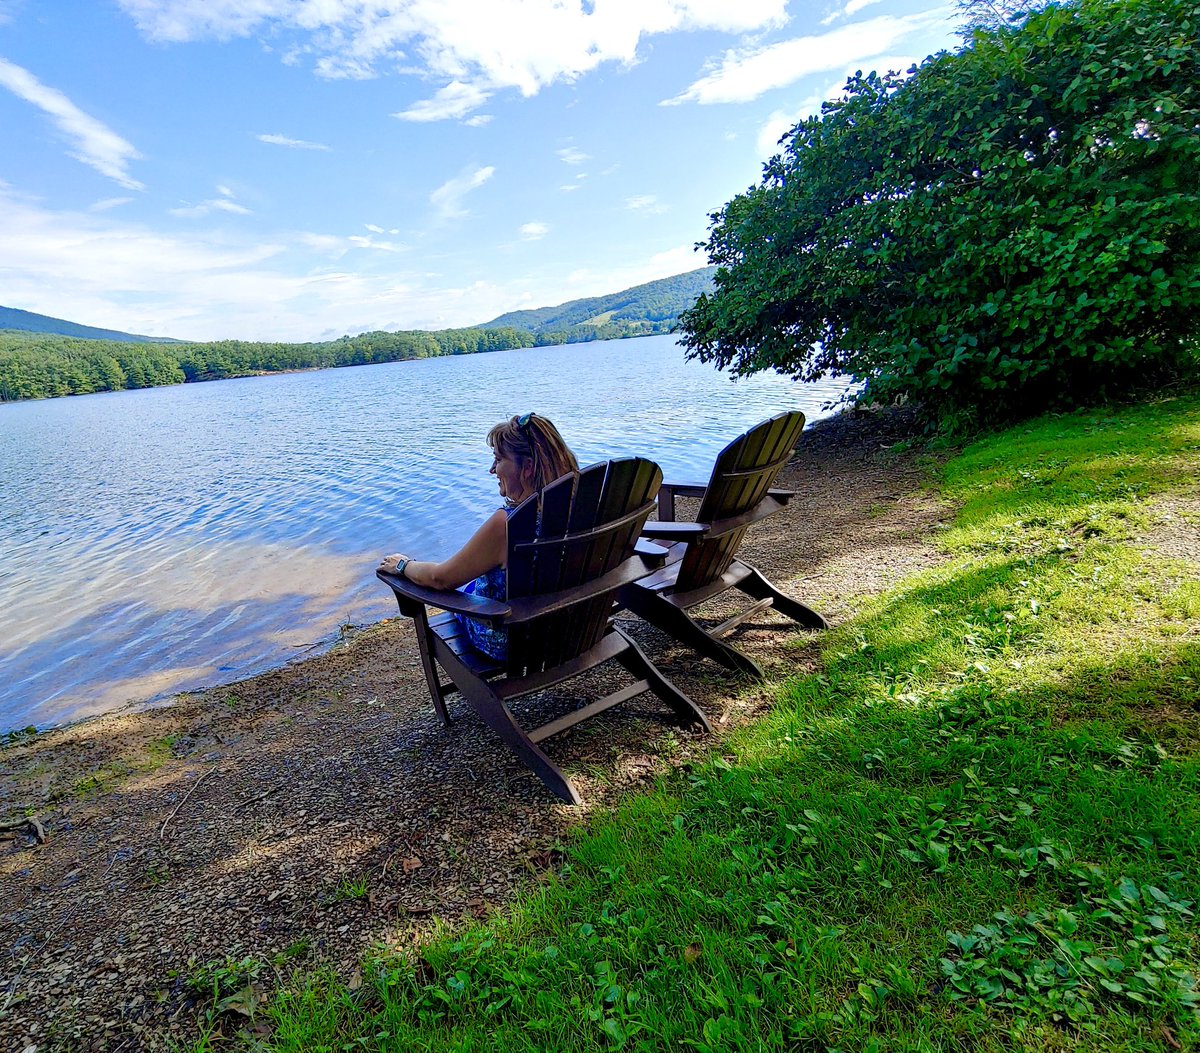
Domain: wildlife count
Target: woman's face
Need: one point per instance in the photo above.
(515, 478)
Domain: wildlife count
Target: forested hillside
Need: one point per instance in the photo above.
(639, 311)
(43, 366)
(28, 322)
(49, 357)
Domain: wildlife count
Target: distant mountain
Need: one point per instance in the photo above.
(642, 310)
(44, 357)
(28, 322)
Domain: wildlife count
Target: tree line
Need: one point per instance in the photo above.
(42, 365)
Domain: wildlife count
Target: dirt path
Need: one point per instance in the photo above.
(319, 810)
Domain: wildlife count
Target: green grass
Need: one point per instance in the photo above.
(976, 827)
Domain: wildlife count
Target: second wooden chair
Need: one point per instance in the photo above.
(701, 556)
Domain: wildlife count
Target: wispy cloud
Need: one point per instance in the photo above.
(745, 75)
(95, 144)
(293, 144)
(359, 242)
(645, 203)
(224, 203)
(852, 8)
(571, 156)
(533, 231)
(478, 121)
(456, 99)
(448, 198)
(474, 48)
(208, 285)
(110, 203)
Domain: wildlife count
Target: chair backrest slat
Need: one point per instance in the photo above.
(587, 526)
(743, 473)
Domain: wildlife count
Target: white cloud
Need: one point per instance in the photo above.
(456, 99)
(95, 144)
(359, 242)
(447, 198)
(568, 187)
(203, 286)
(571, 156)
(645, 203)
(224, 203)
(294, 144)
(110, 202)
(522, 44)
(852, 8)
(210, 285)
(326, 244)
(534, 231)
(478, 121)
(745, 75)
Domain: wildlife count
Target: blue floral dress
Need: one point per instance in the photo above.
(484, 636)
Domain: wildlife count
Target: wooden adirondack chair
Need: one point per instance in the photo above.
(701, 557)
(569, 550)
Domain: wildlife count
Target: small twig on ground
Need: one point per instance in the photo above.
(162, 831)
(39, 831)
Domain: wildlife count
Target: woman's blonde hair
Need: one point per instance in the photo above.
(530, 439)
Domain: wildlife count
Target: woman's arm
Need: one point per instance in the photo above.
(487, 548)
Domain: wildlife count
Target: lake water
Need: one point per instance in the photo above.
(173, 538)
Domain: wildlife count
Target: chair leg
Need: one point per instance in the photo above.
(495, 714)
(634, 659)
(680, 625)
(429, 663)
(754, 584)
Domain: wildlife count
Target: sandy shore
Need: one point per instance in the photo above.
(309, 814)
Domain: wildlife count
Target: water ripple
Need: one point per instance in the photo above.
(161, 540)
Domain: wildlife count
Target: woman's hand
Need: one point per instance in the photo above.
(389, 563)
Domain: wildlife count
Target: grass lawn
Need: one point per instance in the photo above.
(977, 827)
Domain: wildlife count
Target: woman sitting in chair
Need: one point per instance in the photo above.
(529, 454)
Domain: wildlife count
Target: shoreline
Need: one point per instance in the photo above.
(318, 809)
(169, 696)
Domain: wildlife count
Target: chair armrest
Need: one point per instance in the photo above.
(672, 531)
(768, 506)
(650, 552)
(445, 599)
(526, 608)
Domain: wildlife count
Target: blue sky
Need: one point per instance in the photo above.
(304, 169)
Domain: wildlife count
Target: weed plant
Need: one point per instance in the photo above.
(977, 826)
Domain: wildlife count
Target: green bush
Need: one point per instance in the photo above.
(1011, 227)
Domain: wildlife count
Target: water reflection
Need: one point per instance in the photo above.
(162, 540)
